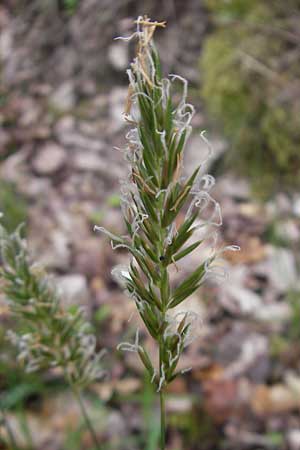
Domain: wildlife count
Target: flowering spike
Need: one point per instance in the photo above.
(153, 196)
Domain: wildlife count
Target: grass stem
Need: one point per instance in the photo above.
(87, 420)
(162, 420)
(162, 403)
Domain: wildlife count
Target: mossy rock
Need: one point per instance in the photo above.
(250, 72)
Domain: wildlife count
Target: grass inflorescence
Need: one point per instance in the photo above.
(167, 216)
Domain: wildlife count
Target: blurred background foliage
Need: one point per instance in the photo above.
(12, 205)
(251, 86)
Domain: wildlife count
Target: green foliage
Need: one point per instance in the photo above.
(113, 201)
(250, 70)
(102, 314)
(16, 395)
(275, 438)
(12, 205)
(279, 345)
(273, 235)
(293, 299)
(70, 5)
(50, 335)
(197, 426)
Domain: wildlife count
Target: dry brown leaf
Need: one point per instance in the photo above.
(221, 399)
(273, 400)
(213, 372)
(126, 386)
(178, 386)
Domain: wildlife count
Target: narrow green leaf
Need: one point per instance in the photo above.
(146, 360)
(178, 242)
(149, 251)
(148, 204)
(168, 119)
(188, 286)
(173, 209)
(187, 250)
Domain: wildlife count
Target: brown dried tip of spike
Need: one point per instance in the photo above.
(175, 265)
(149, 28)
(144, 184)
(181, 325)
(128, 101)
(147, 23)
(178, 167)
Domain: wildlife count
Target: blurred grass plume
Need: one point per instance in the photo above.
(49, 336)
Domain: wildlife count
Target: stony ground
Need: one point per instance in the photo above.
(62, 96)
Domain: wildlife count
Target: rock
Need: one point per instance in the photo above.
(296, 205)
(243, 352)
(288, 230)
(274, 313)
(73, 139)
(65, 124)
(13, 167)
(292, 380)
(6, 43)
(179, 404)
(235, 297)
(252, 360)
(280, 267)
(293, 439)
(236, 188)
(63, 98)
(126, 386)
(115, 425)
(90, 162)
(241, 300)
(57, 254)
(60, 249)
(30, 113)
(118, 55)
(90, 257)
(40, 89)
(36, 187)
(281, 205)
(90, 128)
(74, 289)
(87, 86)
(49, 159)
